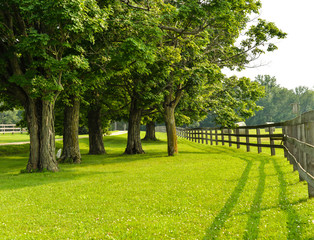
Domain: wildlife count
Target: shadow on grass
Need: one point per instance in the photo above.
(10, 150)
(18, 181)
(219, 221)
(293, 222)
(251, 230)
(205, 148)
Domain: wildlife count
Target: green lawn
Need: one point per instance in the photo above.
(205, 192)
(16, 137)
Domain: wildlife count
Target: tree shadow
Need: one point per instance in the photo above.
(115, 158)
(213, 231)
(18, 181)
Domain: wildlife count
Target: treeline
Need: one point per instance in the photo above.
(278, 105)
(281, 104)
(11, 117)
(139, 61)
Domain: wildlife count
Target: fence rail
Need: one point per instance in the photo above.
(256, 136)
(11, 128)
(296, 137)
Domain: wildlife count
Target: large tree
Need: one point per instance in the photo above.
(39, 42)
(133, 40)
(205, 33)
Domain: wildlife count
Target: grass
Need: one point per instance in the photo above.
(17, 137)
(205, 192)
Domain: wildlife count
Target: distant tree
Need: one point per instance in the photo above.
(277, 103)
(11, 117)
(304, 98)
(234, 100)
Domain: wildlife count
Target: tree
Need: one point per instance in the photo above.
(71, 99)
(278, 101)
(133, 52)
(39, 42)
(235, 100)
(305, 99)
(205, 35)
(150, 131)
(71, 149)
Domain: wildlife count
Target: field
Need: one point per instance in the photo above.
(205, 192)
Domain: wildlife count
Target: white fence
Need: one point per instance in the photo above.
(11, 128)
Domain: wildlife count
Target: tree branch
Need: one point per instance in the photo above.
(127, 2)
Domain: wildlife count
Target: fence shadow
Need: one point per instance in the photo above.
(293, 221)
(219, 221)
(251, 230)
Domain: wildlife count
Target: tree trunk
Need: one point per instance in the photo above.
(40, 119)
(96, 142)
(134, 145)
(32, 108)
(170, 103)
(150, 132)
(71, 149)
(171, 130)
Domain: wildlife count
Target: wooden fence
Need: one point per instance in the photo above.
(11, 128)
(296, 137)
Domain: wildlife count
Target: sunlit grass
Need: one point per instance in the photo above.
(17, 137)
(205, 192)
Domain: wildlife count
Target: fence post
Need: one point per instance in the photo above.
(206, 136)
(291, 147)
(202, 136)
(247, 132)
(258, 132)
(216, 136)
(211, 136)
(222, 137)
(309, 138)
(238, 137)
(272, 142)
(299, 156)
(303, 154)
(284, 132)
(198, 136)
(230, 138)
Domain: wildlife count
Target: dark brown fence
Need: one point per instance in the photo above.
(296, 137)
(299, 147)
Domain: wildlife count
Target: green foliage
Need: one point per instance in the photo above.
(278, 102)
(44, 39)
(235, 100)
(11, 117)
(231, 100)
(205, 35)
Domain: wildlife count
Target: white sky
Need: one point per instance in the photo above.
(292, 63)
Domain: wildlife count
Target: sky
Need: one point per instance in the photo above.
(292, 63)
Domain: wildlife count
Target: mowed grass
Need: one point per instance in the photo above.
(205, 192)
(17, 137)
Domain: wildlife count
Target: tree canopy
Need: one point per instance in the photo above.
(142, 56)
